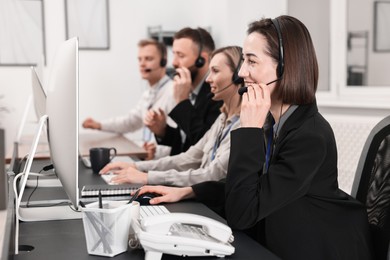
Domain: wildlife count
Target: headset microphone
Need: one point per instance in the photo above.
(244, 89)
(210, 95)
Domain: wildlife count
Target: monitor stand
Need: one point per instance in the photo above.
(44, 181)
(42, 212)
(48, 213)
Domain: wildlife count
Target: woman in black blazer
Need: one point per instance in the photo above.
(281, 185)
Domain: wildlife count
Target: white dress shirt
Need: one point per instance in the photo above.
(196, 164)
(158, 96)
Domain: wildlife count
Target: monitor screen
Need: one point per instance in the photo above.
(62, 106)
(39, 95)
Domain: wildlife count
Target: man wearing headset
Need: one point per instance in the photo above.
(195, 111)
(152, 59)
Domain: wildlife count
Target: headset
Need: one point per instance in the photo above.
(237, 79)
(280, 68)
(163, 51)
(200, 61)
(163, 62)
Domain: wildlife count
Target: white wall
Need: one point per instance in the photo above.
(361, 18)
(109, 81)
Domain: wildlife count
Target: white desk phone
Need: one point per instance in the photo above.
(182, 234)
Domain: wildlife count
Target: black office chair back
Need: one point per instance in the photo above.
(372, 185)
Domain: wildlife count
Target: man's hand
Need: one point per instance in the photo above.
(156, 121)
(182, 84)
(92, 124)
(150, 149)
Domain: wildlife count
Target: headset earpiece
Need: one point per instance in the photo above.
(280, 67)
(237, 79)
(200, 61)
(163, 51)
(163, 62)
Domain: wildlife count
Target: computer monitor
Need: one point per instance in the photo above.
(62, 127)
(62, 109)
(39, 94)
(39, 102)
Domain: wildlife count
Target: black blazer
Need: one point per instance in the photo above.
(194, 120)
(296, 210)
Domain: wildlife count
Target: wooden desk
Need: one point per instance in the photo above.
(87, 140)
(123, 145)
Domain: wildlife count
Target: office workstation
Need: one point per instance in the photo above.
(35, 206)
(63, 239)
(352, 96)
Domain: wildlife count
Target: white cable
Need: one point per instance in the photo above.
(17, 213)
(17, 206)
(26, 172)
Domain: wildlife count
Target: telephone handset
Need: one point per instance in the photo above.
(161, 225)
(184, 234)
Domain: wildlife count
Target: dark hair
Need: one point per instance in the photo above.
(298, 84)
(162, 49)
(199, 36)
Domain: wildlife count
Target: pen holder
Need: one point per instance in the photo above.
(107, 228)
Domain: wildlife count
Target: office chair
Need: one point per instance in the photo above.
(371, 186)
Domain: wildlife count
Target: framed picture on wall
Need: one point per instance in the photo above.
(381, 26)
(22, 33)
(89, 21)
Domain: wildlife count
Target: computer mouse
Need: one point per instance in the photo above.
(143, 199)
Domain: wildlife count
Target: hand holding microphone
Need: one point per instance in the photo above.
(256, 105)
(182, 84)
(244, 89)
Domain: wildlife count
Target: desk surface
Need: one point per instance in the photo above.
(123, 145)
(65, 239)
(87, 140)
